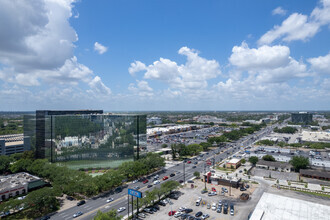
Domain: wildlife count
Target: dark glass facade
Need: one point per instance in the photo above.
(88, 140)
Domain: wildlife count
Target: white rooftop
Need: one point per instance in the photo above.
(276, 207)
(234, 160)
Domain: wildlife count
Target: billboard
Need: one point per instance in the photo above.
(135, 193)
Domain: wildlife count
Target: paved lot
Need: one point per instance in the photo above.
(275, 174)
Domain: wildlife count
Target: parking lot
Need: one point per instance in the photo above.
(275, 174)
(188, 200)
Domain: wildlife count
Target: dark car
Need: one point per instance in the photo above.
(198, 214)
(172, 174)
(118, 189)
(149, 186)
(153, 209)
(194, 167)
(247, 186)
(81, 202)
(188, 210)
(162, 203)
(156, 206)
(190, 181)
(242, 189)
(196, 162)
(174, 196)
(225, 210)
(180, 181)
(70, 198)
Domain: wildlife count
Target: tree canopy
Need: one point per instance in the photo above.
(254, 160)
(299, 162)
(268, 158)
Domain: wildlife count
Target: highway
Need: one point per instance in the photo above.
(120, 199)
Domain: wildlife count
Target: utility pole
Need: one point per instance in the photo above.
(204, 177)
(184, 173)
(128, 205)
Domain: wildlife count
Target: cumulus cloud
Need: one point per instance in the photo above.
(37, 43)
(142, 88)
(99, 86)
(100, 48)
(321, 64)
(135, 67)
(189, 76)
(279, 11)
(298, 26)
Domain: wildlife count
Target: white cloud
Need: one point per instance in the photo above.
(100, 48)
(279, 11)
(263, 57)
(192, 75)
(298, 26)
(99, 86)
(320, 64)
(135, 67)
(37, 43)
(142, 89)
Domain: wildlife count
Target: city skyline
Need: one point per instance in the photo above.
(151, 55)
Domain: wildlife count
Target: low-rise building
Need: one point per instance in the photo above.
(222, 179)
(17, 184)
(233, 163)
(315, 174)
(274, 165)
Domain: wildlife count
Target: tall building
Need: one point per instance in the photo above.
(13, 143)
(85, 139)
(302, 117)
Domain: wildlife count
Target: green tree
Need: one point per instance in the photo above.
(4, 164)
(111, 215)
(169, 186)
(164, 146)
(268, 158)
(197, 174)
(243, 161)
(254, 160)
(205, 145)
(299, 162)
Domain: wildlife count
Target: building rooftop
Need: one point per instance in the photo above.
(315, 136)
(234, 161)
(274, 163)
(323, 174)
(13, 180)
(273, 207)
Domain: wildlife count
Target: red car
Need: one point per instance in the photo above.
(213, 189)
(189, 161)
(145, 181)
(165, 177)
(171, 213)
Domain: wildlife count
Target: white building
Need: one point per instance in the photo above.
(154, 120)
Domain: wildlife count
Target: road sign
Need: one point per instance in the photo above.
(135, 193)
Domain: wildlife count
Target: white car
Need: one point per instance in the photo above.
(205, 216)
(178, 214)
(135, 181)
(110, 200)
(214, 206)
(77, 214)
(181, 209)
(156, 182)
(121, 209)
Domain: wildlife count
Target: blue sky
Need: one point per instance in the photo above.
(165, 55)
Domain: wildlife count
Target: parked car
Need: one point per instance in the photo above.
(242, 189)
(81, 202)
(188, 210)
(231, 209)
(156, 182)
(198, 214)
(181, 209)
(77, 214)
(205, 216)
(224, 189)
(135, 181)
(195, 162)
(170, 213)
(148, 210)
(141, 215)
(204, 191)
(188, 162)
(213, 189)
(172, 174)
(68, 198)
(212, 193)
(149, 186)
(162, 203)
(208, 206)
(194, 167)
(118, 189)
(247, 186)
(136, 188)
(121, 209)
(177, 214)
(219, 209)
(214, 206)
(110, 200)
(145, 181)
(190, 181)
(165, 177)
(180, 181)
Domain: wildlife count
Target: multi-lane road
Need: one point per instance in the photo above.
(182, 171)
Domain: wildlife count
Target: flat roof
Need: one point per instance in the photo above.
(14, 180)
(276, 207)
(234, 160)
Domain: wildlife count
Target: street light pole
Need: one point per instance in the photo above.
(184, 173)
(204, 176)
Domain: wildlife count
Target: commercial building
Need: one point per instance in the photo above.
(233, 163)
(276, 207)
(308, 136)
(13, 143)
(302, 117)
(222, 179)
(17, 184)
(154, 120)
(274, 165)
(315, 174)
(85, 138)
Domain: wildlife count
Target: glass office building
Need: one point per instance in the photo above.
(86, 139)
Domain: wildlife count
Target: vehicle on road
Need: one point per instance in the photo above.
(156, 182)
(180, 181)
(110, 200)
(81, 202)
(165, 177)
(188, 162)
(149, 186)
(135, 181)
(121, 209)
(194, 167)
(190, 181)
(145, 181)
(172, 174)
(136, 188)
(77, 214)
